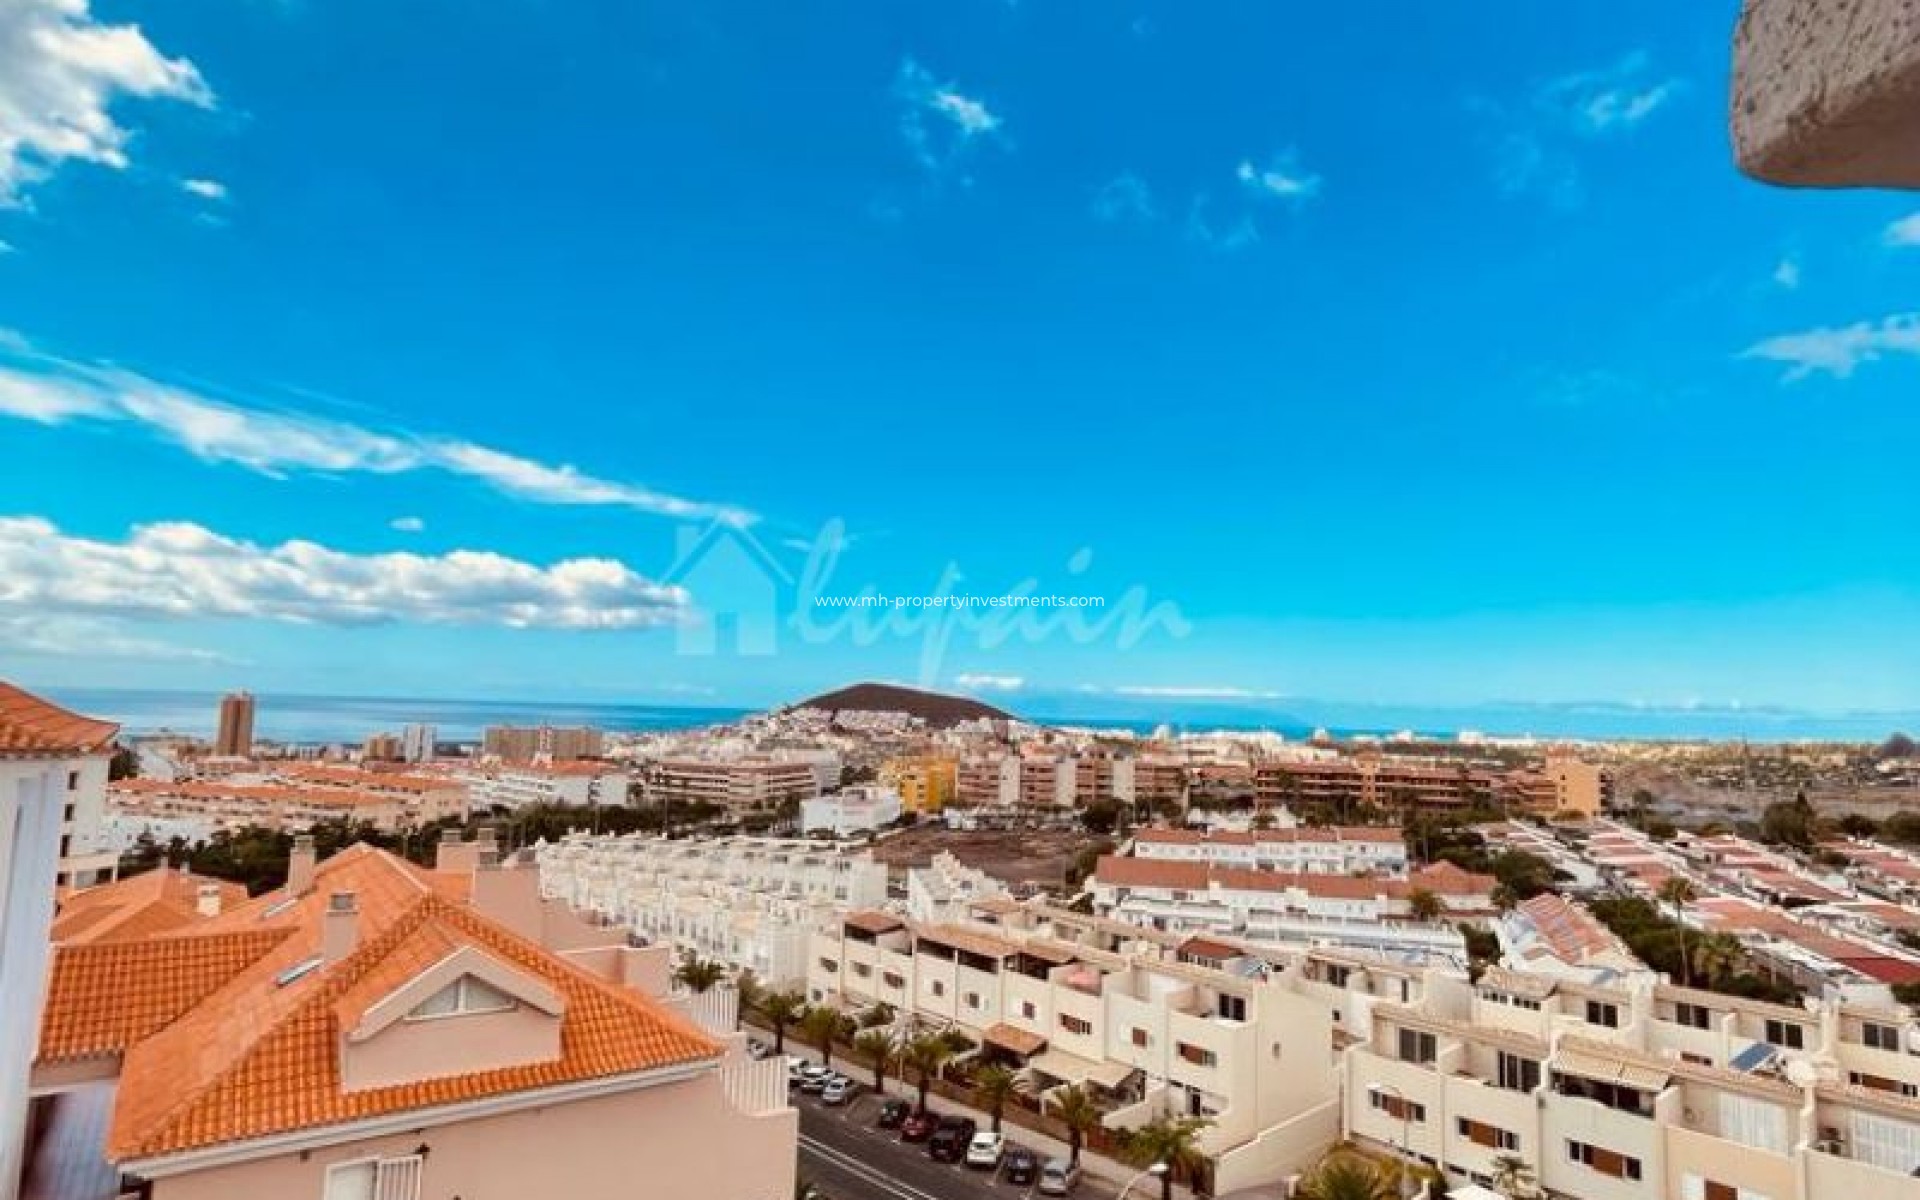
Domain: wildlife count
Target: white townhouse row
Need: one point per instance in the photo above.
(1641, 1092)
(561, 784)
(748, 902)
(1146, 1022)
(1321, 850)
(1282, 908)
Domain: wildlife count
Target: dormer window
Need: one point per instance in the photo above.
(465, 996)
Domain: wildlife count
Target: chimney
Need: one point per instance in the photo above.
(300, 865)
(206, 900)
(341, 932)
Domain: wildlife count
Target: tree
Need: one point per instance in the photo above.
(1347, 1177)
(1423, 905)
(698, 975)
(747, 992)
(1512, 1176)
(926, 1054)
(1170, 1140)
(1677, 891)
(780, 1010)
(1858, 825)
(821, 1024)
(879, 1016)
(1075, 1108)
(878, 1047)
(1504, 899)
(1718, 957)
(1527, 875)
(993, 1084)
(1788, 823)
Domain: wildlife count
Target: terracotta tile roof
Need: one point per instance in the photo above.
(30, 725)
(103, 998)
(255, 1057)
(873, 922)
(1209, 948)
(138, 907)
(1450, 879)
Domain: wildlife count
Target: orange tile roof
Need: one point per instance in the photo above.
(103, 998)
(30, 725)
(139, 906)
(256, 1058)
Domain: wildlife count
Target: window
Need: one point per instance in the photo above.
(1880, 1037)
(1787, 1034)
(465, 996)
(73, 781)
(862, 970)
(936, 987)
(1197, 1055)
(1694, 1016)
(1234, 1008)
(1397, 1107)
(1517, 1074)
(1613, 1095)
(1881, 1083)
(1600, 1012)
(1606, 1162)
(1482, 1134)
(375, 1179)
(973, 999)
(1073, 1024)
(893, 979)
(1029, 1010)
(1417, 1047)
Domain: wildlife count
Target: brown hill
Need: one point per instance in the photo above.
(935, 708)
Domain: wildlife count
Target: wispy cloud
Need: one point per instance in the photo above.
(1838, 351)
(40, 635)
(940, 123)
(1282, 179)
(1904, 232)
(1125, 198)
(1786, 274)
(1191, 692)
(1613, 99)
(178, 570)
(61, 72)
(407, 525)
(206, 189)
(1202, 227)
(53, 391)
(990, 683)
(1536, 143)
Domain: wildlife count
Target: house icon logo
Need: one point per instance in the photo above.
(738, 588)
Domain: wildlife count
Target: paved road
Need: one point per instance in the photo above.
(843, 1155)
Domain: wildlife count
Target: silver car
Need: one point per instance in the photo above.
(1057, 1177)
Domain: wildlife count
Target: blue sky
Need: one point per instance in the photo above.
(1424, 354)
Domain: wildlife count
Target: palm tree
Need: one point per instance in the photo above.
(1170, 1140)
(926, 1054)
(782, 1009)
(877, 1047)
(821, 1024)
(1717, 957)
(698, 974)
(993, 1084)
(1075, 1108)
(1504, 898)
(1512, 1176)
(747, 992)
(1677, 890)
(1347, 1177)
(1423, 905)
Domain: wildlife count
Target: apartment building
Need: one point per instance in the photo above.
(851, 810)
(926, 782)
(233, 737)
(987, 781)
(49, 759)
(1647, 1091)
(540, 743)
(378, 1030)
(1562, 784)
(564, 784)
(427, 797)
(731, 783)
(1070, 999)
(1290, 908)
(946, 888)
(1552, 935)
(1329, 850)
(296, 808)
(748, 902)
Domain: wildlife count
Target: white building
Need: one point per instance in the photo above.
(851, 810)
(53, 765)
(1327, 850)
(562, 784)
(946, 888)
(417, 743)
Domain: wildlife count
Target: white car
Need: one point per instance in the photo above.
(839, 1090)
(985, 1149)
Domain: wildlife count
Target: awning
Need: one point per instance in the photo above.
(1073, 1069)
(1645, 1079)
(1018, 1041)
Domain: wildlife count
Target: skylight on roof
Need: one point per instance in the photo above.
(297, 971)
(279, 906)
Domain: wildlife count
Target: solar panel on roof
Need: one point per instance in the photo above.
(1753, 1057)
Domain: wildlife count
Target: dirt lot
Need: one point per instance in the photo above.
(1031, 856)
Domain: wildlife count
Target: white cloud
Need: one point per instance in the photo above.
(60, 73)
(1612, 99)
(67, 638)
(1126, 197)
(939, 122)
(183, 570)
(53, 391)
(407, 525)
(206, 189)
(6, 247)
(1904, 232)
(1200, 227)
(990, 683)
(1196, 692)
(1838, 351)
(1787, 274)
(1282, 179)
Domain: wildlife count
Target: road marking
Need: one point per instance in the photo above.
(864, 1171)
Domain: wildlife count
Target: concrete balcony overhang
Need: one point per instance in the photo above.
(1826, 93)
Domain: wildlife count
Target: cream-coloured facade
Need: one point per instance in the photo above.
(1634, 1093)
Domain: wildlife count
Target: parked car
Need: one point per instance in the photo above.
(892, 1113)
(918, 1127)
(985, 1149)
(1058, 1177)
(839, 1090)
(757, 1049)
(1020, 1166)
(950, 1140)
(813, 1079)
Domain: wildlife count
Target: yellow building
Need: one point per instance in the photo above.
(925, 783)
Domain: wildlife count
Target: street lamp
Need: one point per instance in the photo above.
(1406, 1131)
(1157, 1169)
